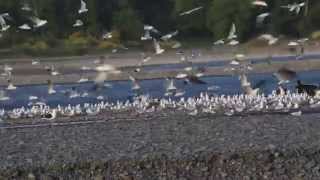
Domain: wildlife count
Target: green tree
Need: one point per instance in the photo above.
(128, 24)
(222, 13)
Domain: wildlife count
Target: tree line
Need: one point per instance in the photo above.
(128, 17)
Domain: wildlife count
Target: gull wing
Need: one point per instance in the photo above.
(83, 5)
(190, 11)
(2, 21)
(232, 33)
(262, 17)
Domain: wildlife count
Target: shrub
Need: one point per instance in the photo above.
(51, 40)
(315, 35)
(167, 44)
(79, 40)
(33, 47)
(107, 45)
(40, 46)
(133, 43)
(76, 41)
(115, 37)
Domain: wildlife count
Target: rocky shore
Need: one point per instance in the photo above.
(165, 145)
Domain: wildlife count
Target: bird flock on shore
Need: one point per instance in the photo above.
(252, 100)
(230, 105)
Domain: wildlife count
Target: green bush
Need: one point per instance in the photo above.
(107, 45)
(32, 47)
(78, 43)
(76, 40)
(315, 35)
(115, 37)
(167, 44)
(40, 46)
(51, 40)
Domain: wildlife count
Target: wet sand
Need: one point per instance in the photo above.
(24, 73)
(70, 74)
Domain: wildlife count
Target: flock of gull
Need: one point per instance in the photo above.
(230, 105)
(253, 100)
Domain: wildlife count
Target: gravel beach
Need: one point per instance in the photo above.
(166, 145)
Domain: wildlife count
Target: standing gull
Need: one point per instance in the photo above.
(50, 115)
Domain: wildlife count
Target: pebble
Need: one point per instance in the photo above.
(310, 164)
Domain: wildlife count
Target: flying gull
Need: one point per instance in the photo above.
(78, 23)
(295, 7)
(169, 36)
(191, 11)
(157, 47)
(3, 24)
(260, 3)
(83, 7)
(24, 27)
(37, 22)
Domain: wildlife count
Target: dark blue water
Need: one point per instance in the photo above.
(221, 62)
(121, 90)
